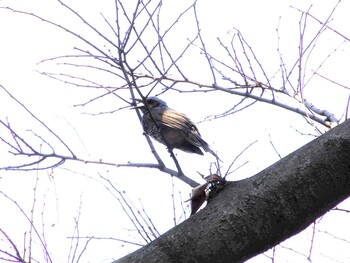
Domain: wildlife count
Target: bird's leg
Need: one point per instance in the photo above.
(170, 150)
(175, 161)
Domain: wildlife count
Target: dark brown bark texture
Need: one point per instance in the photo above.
(250, 216)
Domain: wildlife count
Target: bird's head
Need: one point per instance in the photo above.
(152, 102)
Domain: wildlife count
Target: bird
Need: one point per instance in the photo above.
(171, 128)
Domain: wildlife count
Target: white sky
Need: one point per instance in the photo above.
(118, 137)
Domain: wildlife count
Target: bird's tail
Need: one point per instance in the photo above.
(207, 149)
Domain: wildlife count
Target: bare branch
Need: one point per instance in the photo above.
(17, 255)
(325, 24)
(37, 119)
(42, 243)
(235, 159)
(107, 238)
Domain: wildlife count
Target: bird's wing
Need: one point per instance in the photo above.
(180, 121)
(177, 120)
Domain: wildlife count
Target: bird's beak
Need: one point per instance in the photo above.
(139, 106)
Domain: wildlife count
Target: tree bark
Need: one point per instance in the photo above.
(250, 216)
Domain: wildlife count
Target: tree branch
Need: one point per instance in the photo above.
(250, 216)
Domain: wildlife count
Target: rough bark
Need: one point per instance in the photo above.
(250, 216)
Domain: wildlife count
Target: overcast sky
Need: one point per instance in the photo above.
(117, 137)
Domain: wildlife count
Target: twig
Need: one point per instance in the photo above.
(273, 146)
(47, 254)
(312, 241)
(16, 257)
(203, 44)
(235, 159)
(37, 119)
(108, 238)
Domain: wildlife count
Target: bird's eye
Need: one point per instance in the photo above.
(152, 102)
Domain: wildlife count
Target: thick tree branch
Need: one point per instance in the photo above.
(250, 216)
